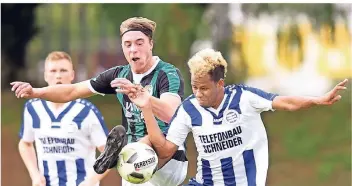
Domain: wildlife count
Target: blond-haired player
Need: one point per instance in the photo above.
(167, 90)
(229, 134)
(66, 135)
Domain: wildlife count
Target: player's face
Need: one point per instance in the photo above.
(58, 72)
(137, 48)
(206, 90)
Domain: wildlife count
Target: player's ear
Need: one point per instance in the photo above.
(45, 76)
(221, 82)
(151, 44)
(72, 75)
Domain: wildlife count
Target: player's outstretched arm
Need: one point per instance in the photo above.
(29, 158)
(164, 148)
(163, 108)
(293, 103)
(57, 93)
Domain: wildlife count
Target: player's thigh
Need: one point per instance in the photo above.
(172, 173)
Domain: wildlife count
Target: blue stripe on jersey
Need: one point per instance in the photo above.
(261, 93)
(249, 164)
(234, 105)
(206, 173)
(101, 120)
(20, 134)
(228, 172)
(61, 115)
(172, 119)
(97, 113)
(67, 109)
(61, 171)
(191, 110)
(35, 117)
(221, 113)
(81, 171)
(46, 173)
(81, 116)
(52, 117)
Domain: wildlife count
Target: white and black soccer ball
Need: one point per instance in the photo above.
(137, 163)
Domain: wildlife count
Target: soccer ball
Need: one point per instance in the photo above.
(137, 163)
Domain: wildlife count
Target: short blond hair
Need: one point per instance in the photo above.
(138, 23)
(206, 62)
(58, 55)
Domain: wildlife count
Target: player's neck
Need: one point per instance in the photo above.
(219, 98)
(150, 64)
(57, 106)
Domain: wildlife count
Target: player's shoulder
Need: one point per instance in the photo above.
(116, 68)
(240, 87)
(86, 103)
(166, 67)
(123, 67)
(186, 102)
(249, 90)
(236, 86)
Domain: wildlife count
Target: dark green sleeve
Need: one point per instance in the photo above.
(101, 83)
(170, 80)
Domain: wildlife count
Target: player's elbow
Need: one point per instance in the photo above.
(168, 117)
(292, 107)
(166, 155)
(24, 145)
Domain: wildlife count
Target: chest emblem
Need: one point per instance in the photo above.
(231, 117)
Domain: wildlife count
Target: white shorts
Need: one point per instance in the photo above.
(173, 173)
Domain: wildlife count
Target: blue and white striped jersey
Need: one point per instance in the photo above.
(231, 140)
(65, 139)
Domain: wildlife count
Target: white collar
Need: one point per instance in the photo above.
(138, 77)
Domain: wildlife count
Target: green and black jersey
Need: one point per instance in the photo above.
(165, 78)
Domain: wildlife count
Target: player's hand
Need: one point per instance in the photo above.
(141, 98)
(22, 89)
(38, 180)
(124, 86)
(333, 96)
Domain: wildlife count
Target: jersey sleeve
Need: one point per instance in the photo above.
(179, 127)
(101, 83)
(26, 131)
(98, 130)
(170, 81)
(259, 99)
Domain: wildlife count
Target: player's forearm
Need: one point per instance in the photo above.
(293, 103)
(29, 158)
(162, 110)
(156, 136)
(56, 93)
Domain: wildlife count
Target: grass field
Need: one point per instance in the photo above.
(306, 148)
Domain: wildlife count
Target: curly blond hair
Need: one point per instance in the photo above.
(208, 61)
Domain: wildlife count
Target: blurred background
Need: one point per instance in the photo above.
(291, 49)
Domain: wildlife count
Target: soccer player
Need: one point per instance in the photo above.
(167, 90)
(225, 121)
(66, 135)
